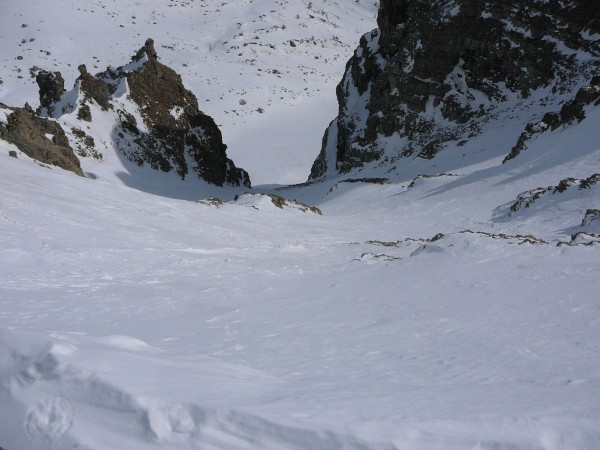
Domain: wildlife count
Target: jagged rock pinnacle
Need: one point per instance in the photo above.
(52, 87)
(147, 49)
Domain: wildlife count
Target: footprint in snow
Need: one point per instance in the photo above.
(49, 419)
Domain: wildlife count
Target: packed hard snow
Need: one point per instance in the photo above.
(417, 311)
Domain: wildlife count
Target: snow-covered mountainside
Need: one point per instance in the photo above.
(425, 304)
(435, 74)
(253, 65)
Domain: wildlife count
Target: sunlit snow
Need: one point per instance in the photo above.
(135, 312)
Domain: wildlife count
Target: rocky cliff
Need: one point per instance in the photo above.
(436, 71)
(145, 113)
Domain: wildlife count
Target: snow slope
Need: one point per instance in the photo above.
(417, 314)
(137, 321)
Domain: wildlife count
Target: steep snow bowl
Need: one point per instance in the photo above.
(137, 321)
(417, 312)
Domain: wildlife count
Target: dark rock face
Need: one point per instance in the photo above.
(52, 88)
(40, 139)
(435, 69)
(173, 133)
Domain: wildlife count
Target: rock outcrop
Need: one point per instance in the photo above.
(39, 138)
(538, 195)
(592, 216)
(157, 121)
(435, 71)
(93, 88)
(572, 111)
(52, 88)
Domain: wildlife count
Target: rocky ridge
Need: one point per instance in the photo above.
(156, 120)
(435, 72)
(572, 111)
(538, 195)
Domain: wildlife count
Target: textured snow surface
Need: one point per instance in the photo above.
(137, 321)
(411, 314)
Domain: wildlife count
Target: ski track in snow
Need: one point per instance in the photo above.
(133, 320)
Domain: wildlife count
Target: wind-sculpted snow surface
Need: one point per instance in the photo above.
(136, 321)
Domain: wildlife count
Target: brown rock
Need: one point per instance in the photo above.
(41, 139)
(94, 88)
(177, 126)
